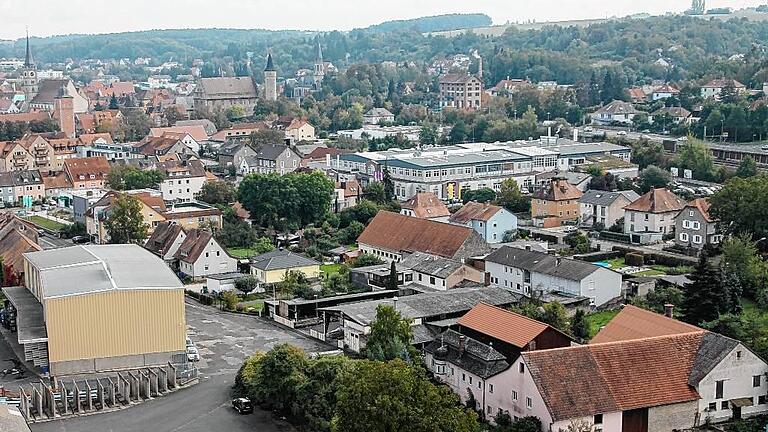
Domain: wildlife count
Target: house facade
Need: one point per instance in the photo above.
(654, 212)
(461, 91)
(271, 267)
(694, 227)
(183, 179)
(87, 173)
(271, 158)
(233, 153)
(201, 255)
(555, 204)
(615, 112)
(490, 221)
(606, 208)
(21, 188)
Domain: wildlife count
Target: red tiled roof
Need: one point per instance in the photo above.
(636, 323)
(658, 200)
(397, 232)
(637, 93)
(197, 132)
(88, 139)
(426, 205)
(559, 189)
(75, 167)
(702, 204)
(502, 324)
(59, 181)
(618, 376)
(475, 211)
(25, 117)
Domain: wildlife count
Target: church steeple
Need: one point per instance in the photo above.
(319, 53)
(28, 61)
(270, 63)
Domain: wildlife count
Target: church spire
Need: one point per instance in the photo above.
(270, 63)
(28, 61)
(319, 52)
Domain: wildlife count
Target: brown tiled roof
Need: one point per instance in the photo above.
(196, 131)
(559, 189)
(658, 200)
(75, 167)
(724, 82)
(426, 205)
(617, 376)
(240, 211)
(397, 232)
(58, 181)
(456, 78)
(227, 88)
(702, 204)
(47, 91)
(194, 245)
(351, 188)
(636, 323)
(88, 139)
(157, 145)
(502, 324)
(666, 88)
(13, 244)
(475, 211)
(194, 166)
(25, 117)
(320, 153)
(162, 237)
(636, 93)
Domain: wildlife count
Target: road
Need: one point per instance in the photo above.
(223, 340)
(47, 241)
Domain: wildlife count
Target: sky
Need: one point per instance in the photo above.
(53, 17)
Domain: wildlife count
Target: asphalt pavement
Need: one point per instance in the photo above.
(223, 341)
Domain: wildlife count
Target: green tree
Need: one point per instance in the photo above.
(125, 223)
(703, 296)
(366, 260)
(235, 233)
(483, 195)
(294, 283)
(696, 156)
(646, 153)
(392, 282)
(742, 260)
(264, 137)
(375, 192)
(390, 336)
(579, 325)
(235, 112)
(428, 134)
(556, 316)
(230, 300)
(511, 198)
(217, 192)
(393, 396)
(279, 374)
(246, 284)
(263, 245)
(113, 104)
(653, 177)
(740, 206)
(747, 168)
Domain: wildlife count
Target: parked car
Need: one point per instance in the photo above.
(192, 354)
(190, 343)
(621, 133)
(242, 405)
(80, 239)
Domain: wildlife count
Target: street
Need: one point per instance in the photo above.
(223, 340)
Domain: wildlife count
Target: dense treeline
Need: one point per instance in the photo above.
(435, 23)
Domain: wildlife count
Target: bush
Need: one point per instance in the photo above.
(240, 307)
(634, 259)
(230, 299)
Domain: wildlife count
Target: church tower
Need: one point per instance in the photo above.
(29, 83)
(319, 74)
(270, 80)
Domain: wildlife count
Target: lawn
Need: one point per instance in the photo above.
(257, 305)
(242, 253)
(46, 223)
(599, 319)
(617, 263)
(330, 269)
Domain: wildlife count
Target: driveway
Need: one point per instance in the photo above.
(223, 340)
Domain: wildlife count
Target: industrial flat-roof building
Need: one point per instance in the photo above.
(98, 308)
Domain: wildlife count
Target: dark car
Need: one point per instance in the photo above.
(80, 239)
(242, 405)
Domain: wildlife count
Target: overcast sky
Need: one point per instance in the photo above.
(51, 17)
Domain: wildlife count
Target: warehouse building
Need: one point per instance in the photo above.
(97, 308)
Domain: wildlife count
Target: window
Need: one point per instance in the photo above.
(489, 409)
(719, 389)
(697, 239)
(463, 376)
(683, 237)
(490, 388)
(712, 406)
(479, 384)
(431, 280)
(206, 254)
(522, 367)
(528, 402)
(598, 419)
(514, 396)
(756, 380)
(470, 380)
(724, 405)
(761, 400)
(686, 224)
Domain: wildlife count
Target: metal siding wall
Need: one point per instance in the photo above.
(116, 323)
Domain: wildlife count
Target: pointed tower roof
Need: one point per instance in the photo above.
(28, 61)
(319, 52)
(270, 64)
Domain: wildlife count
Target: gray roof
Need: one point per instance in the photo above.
(431, 265)
(478, 358)
(96, 268)
(280, 260)
(20, 178)
(617, 107)
(230, 148)
(11, 419)
(591, 148)
(228, 88)
(602, 198)
(573, 177)
(713, 349)
(271, 151)
(208, 125)
(428, 305)
(539, 262)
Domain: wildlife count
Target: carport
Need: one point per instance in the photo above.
(30, 325)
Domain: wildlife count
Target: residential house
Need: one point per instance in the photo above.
(378, 115)
(200, 255)
(527, 271)
(238, 131)
(271, 158)
(226, 92)
(170, 143)
(296, 129)
(695, 227)
(490, 221)
(485, 343)
(637, 95)
(17, 237)
(92, 122)
(197, 133)
(21, 188)
(87, 173)
(653, 212)
(391, 236)
(579, 179)
(508, 86)
(615, 112)
(555, 204)
(425, 205)
(605, 208)
(437, 273)
(714, 88)
(679, 115)
(271, 267)
(461, 91)
(233, 153)
(183, 179)
(664, 92)
(207, 125)
(165, 240)
(429, 313)
(346, 194)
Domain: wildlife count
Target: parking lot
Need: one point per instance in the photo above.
(223, 341)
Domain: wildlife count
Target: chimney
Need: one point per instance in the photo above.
(528, 247)
(462, 339)
(668, 310)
